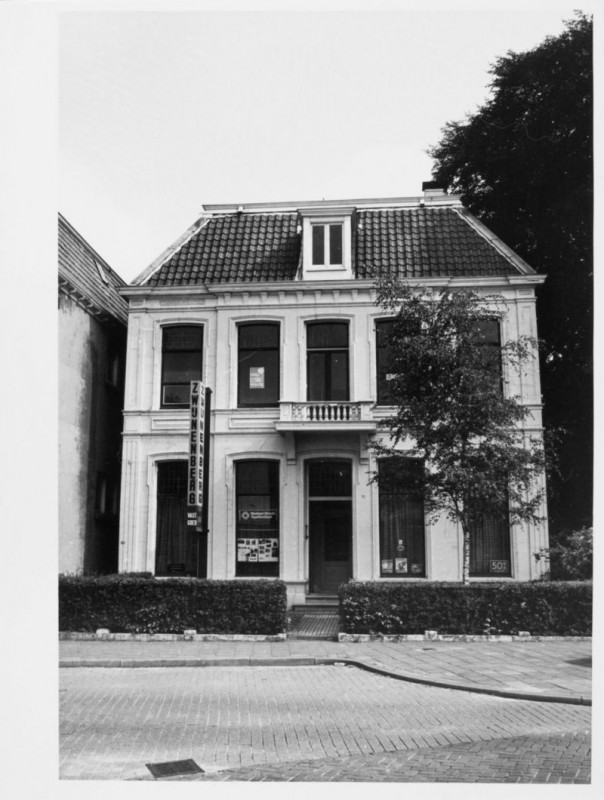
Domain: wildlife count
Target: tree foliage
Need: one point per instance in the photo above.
(452, 411)
(523, 164)
(572, 558)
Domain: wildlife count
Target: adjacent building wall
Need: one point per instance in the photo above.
(90, 421)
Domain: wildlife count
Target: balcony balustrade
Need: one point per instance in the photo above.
(326, 415)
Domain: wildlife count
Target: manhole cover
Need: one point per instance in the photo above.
(168, 769)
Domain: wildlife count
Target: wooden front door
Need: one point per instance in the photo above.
(330, 541)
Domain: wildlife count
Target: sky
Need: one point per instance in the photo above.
(160, 112)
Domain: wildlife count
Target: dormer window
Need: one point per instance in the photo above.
(326, 243)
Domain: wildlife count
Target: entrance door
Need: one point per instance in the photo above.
(329, 525)
(180, 550)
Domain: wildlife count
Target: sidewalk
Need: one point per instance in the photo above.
(558, 671)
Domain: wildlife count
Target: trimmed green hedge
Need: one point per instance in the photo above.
(139, 603)
(543, 608)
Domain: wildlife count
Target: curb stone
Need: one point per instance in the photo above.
(454, 637)
(106, 636)
(304, 661)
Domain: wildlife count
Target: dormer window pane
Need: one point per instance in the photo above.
(318, 244)
(335, 244)
(327, 245)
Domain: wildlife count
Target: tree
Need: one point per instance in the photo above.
(523, 164)
(571, 559)
(451, 408)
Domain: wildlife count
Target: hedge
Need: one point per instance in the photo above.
(140, 603)
(543, 608)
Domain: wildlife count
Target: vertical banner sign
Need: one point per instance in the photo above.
(196, 453)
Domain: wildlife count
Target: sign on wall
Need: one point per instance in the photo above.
(196, 465)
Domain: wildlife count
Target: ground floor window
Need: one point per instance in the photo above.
(257, 532)
(177, 544)
(490, 547)
(402, 536)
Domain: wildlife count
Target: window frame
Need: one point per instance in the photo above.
(272, 568)
(164, 351)
(488, 558)
(326, 226)
(409, 498)
(272, 349)
(171, 530)
(381, 382)
(328, 351)
(495, 347)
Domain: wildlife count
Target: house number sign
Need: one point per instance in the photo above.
(195, 482)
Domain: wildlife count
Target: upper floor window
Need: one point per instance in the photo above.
(384, 370)
(258, 364)
(327, 360)
(327, 244)
(489, 338)
(182, 359)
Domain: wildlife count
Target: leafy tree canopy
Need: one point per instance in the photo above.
(452, 411)
(523, 164)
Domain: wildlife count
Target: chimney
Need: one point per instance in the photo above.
(432, 189)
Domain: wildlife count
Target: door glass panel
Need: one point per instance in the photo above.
(330, 479)
(337, 534)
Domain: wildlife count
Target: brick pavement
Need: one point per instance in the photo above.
(114, 721)
(558, 758)
(559, 668)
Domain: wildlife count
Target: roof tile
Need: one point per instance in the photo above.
(417, 242)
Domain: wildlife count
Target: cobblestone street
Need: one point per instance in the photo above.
(317, 723)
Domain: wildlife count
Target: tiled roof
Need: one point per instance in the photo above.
(79, 276)
(233, 248)
(424, 243)
(415, 242)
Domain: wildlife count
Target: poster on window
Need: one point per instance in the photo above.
(257, 550)
(263, 515)
(400, 565)
(256, 377)
(387, 566)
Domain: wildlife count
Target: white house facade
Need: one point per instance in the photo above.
(273, 308)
